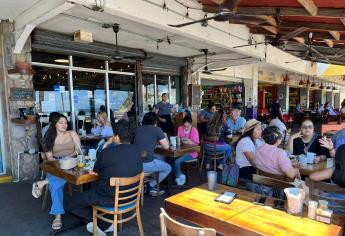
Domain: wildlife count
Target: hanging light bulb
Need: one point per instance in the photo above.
(328, 87)
(321, 86)
(313, 84)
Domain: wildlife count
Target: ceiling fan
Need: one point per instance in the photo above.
(206, 70)
(226, 13)
(117, 55)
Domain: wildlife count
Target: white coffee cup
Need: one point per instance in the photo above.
(303, 160)
(310, 157)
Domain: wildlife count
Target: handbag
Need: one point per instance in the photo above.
(230, 172)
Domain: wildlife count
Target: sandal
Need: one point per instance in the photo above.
(36, 190)
(57, 224)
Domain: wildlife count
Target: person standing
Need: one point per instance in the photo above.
(164, 111)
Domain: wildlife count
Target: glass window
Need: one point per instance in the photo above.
(51, 86)
(148, 89)
(122, 96)
(88, 63)
(121, 66)
(175, 90)
(49, 58)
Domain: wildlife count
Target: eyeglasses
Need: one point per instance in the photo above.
(307, 127)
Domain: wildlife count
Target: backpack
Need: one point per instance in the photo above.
(230, 172)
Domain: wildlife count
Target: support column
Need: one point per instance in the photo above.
(283, 96)
(337, 101)
(251, 94)
(304, 97)
(139, 87)
(330, 98)
(186, 74)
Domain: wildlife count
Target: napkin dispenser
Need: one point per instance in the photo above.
(67, 163)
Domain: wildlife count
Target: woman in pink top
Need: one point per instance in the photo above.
(189, 135)
(272, 159)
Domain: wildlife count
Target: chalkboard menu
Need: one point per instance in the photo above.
(21, 94)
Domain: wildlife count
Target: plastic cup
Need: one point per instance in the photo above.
(212, 180)
(312, 206)
(323, 204)
(295, 197)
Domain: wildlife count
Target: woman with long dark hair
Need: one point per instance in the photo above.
(58, 143)
(246, 148)
(216, 131)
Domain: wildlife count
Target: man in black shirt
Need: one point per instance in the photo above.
(146, 138)
(119, 160)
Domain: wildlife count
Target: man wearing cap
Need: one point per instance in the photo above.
(236, 122)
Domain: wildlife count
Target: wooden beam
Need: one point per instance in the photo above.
(271, 29)
(299, 39)
(335, 34)
(270, 20)
(316, 35)
(342, 19)
(284, 11)
(329, 43)
(313, 26)
(310, 6)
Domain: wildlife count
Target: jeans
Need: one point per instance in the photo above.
(81, 205)
(219, 148)
(157, 166)
(56, 186)
(178, 162)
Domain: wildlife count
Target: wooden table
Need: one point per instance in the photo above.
(75, 176)
(311, 168)
(242, 217)
(183, 150)
(90, 138)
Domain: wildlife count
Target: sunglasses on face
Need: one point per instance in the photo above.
(307, 127)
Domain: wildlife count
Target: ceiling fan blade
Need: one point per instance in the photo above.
(293, 33)
(207, 72)
(222, 69)
(193, 22)
(248, 19)
(229, 4)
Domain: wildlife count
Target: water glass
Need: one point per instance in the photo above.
(312, 206)
(212, 180)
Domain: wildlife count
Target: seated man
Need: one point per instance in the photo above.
(271, 159)
(236, 122)
(146, 138)
(120, 160)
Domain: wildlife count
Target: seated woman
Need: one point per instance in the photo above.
(336, 174)
(271, 159)
(329, 109)
(102, 126)
(58, 143)
(246, 148)
(215, 132)
(307, 141)
(188, 135)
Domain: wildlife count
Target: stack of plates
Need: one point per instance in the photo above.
(68, 163)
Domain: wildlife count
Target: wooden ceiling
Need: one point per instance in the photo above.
(324, 18)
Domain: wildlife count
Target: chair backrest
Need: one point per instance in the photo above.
(129, 195)
(179, 229)
(274, 176)
(271, 182)
(316, 188)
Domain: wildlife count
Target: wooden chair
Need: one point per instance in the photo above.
(317, 187)
(148, 177)
(273, 176)
(132, 204)
(176, 228)
(271, 182)
(211, 151)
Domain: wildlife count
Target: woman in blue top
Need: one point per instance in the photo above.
(102, 126)
(336, 174)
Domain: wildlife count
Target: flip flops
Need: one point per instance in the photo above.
(36, 190)
(57, 224)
